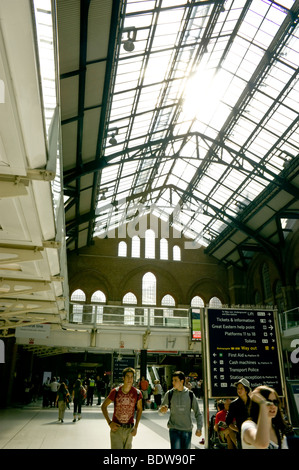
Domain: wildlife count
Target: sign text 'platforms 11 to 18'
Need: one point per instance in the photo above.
(242, 343)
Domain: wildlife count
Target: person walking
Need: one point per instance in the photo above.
(125, 399)
(180, 401)
(61, 400)
(78, 395)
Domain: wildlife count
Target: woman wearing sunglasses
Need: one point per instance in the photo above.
(265, 429)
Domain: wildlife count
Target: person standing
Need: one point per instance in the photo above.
(158, 393)
(144, 386)
(181, 401)
(100, 386)
(91, 383)
(238, 411)
(53, 389)
(125, 399)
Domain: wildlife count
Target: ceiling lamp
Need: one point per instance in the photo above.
(113, 133)
(128, 44)
(113, 140)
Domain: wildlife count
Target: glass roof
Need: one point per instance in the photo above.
(203, 111)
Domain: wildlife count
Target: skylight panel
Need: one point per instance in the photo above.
(150, 102)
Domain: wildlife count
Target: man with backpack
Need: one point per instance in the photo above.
(180, 401)
(126, 399)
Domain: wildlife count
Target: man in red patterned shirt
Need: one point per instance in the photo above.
(125, 398)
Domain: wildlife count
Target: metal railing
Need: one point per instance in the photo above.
(114, 315)
(289, 319)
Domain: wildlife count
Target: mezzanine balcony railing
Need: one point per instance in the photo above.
(115, 315)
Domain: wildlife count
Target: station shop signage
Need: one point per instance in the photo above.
(242, 343)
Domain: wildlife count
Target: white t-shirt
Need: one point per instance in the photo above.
(248, 424)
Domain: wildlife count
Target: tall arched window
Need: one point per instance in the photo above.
(278, 296)
(122, 249)
(266, 281)
(176, 253)
(163, 249)
(257, 298)
(169, 301)
(77, 308)
(129, 312)
(136, 246)
(297, 284)
(149, 289)
(197, 302)
(215, 302)
(98, 297)
(150, 244)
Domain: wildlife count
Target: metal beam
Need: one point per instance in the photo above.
(18, 287)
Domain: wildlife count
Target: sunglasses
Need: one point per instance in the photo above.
(273, 402)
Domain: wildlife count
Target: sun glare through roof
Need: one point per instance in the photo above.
(205, 103)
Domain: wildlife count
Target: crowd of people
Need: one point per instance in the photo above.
(253, 420)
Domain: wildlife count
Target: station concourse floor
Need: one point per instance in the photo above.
(34, 427)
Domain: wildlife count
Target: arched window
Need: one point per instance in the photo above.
(278, 296)
(78, 296)
(98, 297)
(257, 298)
(266, 281)
(168, 300)
(77, 308)
(130, 299)
(297, 284)
(122, 249)
(215, 302)
(136, 246)
(197, 302)
(129, 312)
(150, 244)
(163, 249)
(149, 289)
(176, 253)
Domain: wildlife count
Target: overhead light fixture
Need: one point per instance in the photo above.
(113, 140)
(128, 44)
(113, 132)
